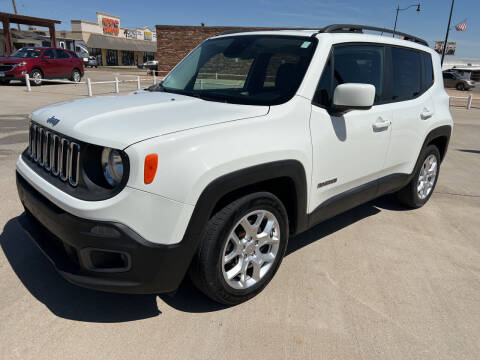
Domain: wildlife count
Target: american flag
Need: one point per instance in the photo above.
(462, 26)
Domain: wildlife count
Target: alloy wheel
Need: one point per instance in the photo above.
(251, 249)
(76, 76)
(37, 77)
(427, 177)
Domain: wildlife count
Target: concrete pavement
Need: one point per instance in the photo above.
(377, 282)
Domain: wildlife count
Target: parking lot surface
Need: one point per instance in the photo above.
(378, 282)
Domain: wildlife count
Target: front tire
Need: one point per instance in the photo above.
(4, 82)
(460, 86)
(241, 249)
(420, 189)
(36, 77)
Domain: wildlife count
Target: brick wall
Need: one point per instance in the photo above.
(175, 42)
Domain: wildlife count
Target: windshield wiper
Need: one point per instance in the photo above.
(157, 87)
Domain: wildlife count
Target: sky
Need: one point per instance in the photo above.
(430, 24)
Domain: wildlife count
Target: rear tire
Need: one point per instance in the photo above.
(420, 188)
(76, 76)
(235, 259)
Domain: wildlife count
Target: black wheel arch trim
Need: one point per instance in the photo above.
(439, 132)
(228, 183)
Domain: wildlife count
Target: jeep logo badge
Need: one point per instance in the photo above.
(53, 120)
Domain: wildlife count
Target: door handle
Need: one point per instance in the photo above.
(381, 124)
(426, 114)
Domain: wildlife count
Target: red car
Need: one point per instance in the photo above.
(39, 63)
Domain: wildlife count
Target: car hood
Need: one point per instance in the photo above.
(12, 60)
(119, 121)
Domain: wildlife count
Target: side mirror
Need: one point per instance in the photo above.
(353, 96)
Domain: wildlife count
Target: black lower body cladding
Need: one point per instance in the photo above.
(103, 256)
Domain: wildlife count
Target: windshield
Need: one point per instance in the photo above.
(248, 69)
(27, 53)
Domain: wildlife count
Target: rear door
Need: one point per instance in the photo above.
(349, 151)
(412, 79)
(65, 63)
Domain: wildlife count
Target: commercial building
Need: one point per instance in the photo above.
(175, 42)
(113, 44)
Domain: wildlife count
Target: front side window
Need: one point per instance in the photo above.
(244, 69)
(406, 67)
(49, 54)
(351, 64)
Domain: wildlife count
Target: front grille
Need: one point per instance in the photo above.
(6, 67)
(56, 154)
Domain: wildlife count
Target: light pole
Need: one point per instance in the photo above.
(448, 30)
(398, 9)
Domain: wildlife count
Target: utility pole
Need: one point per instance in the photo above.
(448, 30)
(15, 10)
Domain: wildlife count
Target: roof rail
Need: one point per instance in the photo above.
(228, 32)
(348, 28)
(241, 30)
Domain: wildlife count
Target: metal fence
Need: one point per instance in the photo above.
(116, 82)
(465, 101)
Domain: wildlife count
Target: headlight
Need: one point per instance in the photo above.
(23, 63)
(112, 165)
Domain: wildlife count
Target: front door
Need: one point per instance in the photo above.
(349, 151)
(49, 63)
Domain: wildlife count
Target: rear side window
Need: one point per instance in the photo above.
(427, 71)
(62, 54)
(407, 80)
(351, 64)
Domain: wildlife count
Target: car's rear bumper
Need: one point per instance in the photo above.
(101, 255)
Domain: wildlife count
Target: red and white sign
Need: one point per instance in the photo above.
(110, 26)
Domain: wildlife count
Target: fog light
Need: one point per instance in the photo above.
(102, 260)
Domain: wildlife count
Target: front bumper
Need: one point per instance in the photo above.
(72, 243)
(17, 73)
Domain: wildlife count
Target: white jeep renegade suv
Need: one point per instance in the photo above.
(252, 138)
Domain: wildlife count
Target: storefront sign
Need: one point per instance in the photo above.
(110, 26)
(147, 35)
(131, 34)
(451, 47)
